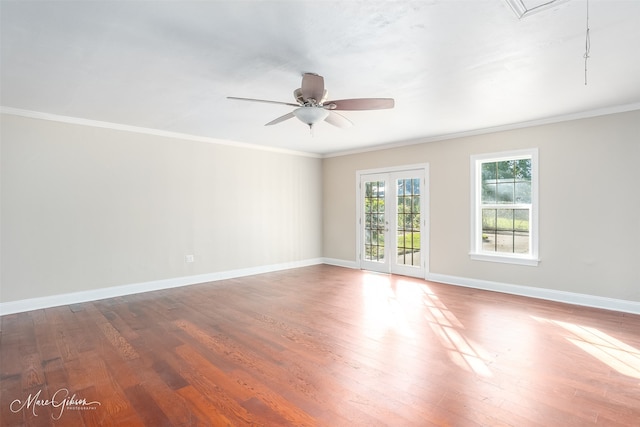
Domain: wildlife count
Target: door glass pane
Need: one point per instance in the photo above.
(408, 222)
(375, 222)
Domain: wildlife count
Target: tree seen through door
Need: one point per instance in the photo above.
(375, 222)
(408, 221)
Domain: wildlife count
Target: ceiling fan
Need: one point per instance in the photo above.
(313, 107)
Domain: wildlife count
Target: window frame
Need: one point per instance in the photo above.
(476, 252)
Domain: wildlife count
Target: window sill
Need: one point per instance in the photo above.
(505, 259)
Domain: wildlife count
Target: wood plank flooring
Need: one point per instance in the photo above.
(320, 346)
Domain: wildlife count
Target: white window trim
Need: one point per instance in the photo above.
(530, 259)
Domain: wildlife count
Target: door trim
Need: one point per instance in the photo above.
(425, 232)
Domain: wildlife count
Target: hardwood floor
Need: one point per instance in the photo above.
(323, 346)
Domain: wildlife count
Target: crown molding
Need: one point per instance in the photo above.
(513, 126)
(147, 131)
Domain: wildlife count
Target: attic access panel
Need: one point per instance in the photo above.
(524, 8)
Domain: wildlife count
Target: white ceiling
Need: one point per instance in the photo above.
(453, 66)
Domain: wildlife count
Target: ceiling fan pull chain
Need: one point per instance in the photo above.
(587, 46)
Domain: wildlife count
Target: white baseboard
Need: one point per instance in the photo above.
(585, 300)
(136, 288)
(116, 291)
(541, 293)
(340, 263)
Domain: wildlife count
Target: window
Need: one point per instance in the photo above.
(505, 207)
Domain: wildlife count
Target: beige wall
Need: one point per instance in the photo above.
(85, 208)
(589, 204)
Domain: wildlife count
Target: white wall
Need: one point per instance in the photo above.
(589, 204)
(86, 208)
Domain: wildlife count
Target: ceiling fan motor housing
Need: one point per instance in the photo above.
(300, 99)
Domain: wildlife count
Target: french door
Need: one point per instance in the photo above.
(392, 222)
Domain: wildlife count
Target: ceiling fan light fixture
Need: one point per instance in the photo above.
(310, 115)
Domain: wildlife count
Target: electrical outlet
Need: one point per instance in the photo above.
(188, 258)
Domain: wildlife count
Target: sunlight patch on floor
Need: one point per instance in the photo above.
(389, 304)
(384, 309)
(616, 354)
(465, 353)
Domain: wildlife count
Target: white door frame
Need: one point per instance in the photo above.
(423, 168)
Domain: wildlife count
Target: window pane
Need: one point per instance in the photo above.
(488, 220)
(368, 189)
(401, 203)
(505, 170)
(505, 192)
(489, 172)
(504, 241)
(488, 241)
(521, 220)
(374, 221)
(521, 243)
(374, 253)
(410, 222)
(488, 193)
(523, 192)
(505, 219)
(523, 170)
(408, 186)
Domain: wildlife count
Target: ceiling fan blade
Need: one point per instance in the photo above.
(360, 104)
(263, 100)
(338, 120)
(280, 119)
(312, 87)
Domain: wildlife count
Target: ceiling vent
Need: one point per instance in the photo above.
(524, 8)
